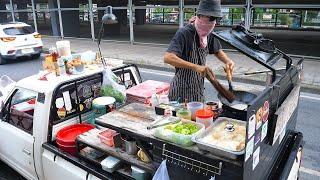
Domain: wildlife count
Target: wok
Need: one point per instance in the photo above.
(241, 97)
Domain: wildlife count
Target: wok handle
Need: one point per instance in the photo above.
(221, 89)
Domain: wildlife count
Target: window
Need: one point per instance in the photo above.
(75, 98)
(13, 31)
(20, 108)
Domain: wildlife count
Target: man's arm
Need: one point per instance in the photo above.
(225, 59)
(174, 60)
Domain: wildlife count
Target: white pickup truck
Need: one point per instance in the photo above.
(29, 122)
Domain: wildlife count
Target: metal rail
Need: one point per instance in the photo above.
(176, 158)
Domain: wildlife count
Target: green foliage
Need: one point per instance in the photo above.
(108, 90)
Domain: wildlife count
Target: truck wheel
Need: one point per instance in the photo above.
(2, 60)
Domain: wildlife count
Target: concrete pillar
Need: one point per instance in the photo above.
(3, 15)
(54, 19)
(70, 19)
(23, 16)
(181, 13)
(140, 15)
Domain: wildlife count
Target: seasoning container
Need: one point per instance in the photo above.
(61, 66)
(204, 116)
(131, 147)
(184, 113)
(212, 105)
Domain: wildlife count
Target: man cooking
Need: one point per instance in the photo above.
(188, 50)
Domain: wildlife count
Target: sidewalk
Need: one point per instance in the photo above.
(152, 56)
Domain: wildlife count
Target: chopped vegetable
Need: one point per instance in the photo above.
(183, 128)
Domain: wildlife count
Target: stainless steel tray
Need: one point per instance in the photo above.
(215, 149)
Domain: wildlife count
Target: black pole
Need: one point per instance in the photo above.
(162, 15)
(275, 24)
(254, 11)
(231, 17)
(301, 14)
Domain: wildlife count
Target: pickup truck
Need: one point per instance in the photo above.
(29, 122)
(31, 117)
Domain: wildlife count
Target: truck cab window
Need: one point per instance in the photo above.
(20, 109)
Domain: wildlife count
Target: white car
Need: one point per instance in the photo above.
(18, 39)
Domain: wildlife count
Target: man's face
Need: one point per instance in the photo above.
(208, 19)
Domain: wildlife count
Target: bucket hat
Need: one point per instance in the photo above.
(210, 8)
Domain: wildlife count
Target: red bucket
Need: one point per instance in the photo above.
(66, 137)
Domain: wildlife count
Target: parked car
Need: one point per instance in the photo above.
(18, 39)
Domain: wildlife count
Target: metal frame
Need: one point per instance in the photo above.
(91, 19)
(34, 16)
(12, 11)
(60, 19)
(181, 13)
(130, 7)
(248, 13)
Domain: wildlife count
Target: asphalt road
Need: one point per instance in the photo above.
(307, 118)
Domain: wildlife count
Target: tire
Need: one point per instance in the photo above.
(36, 56)
(2, 60)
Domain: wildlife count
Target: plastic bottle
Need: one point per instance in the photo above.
(154, 100)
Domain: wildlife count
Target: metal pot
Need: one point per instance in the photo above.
(131, 147)
(241, 97)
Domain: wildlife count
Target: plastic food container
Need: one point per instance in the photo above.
(193, 107)
(204, 116)
(106, 137)
(66, 137)
(63, 48)
(184, 113)
(110, 164)
(181, 139)
(102, 105)
(139, 174)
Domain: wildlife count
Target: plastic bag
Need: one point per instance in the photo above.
(162, 172)
(111, 87)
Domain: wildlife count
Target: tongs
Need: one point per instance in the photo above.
(221, 89)
(163, 122)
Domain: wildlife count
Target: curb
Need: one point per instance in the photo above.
(308, 88)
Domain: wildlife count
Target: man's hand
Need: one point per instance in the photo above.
(202, 70)
(229, 67)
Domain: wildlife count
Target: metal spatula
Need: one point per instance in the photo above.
(229, 78)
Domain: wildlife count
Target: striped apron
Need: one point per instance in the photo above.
(189, 84)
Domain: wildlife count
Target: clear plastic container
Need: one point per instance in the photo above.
(193, 107)
(110, 164)
(139, 174)
(181, 139)
(204, 116)
(106, 137)
(184, 114)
